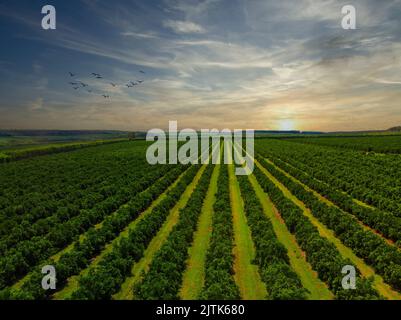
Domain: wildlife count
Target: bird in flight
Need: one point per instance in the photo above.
(133, 83)
(84, 84)
(95, 74)
(113, 84)
(141, 71)
(129, 85)
(71, 74)
(105, 96)
(140, 81)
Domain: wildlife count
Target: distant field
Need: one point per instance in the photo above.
(116, 227)
(23, 152)
(15, 140)
(16, 145)
(375, 143)
(311, 134)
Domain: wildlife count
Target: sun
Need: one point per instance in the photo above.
(286, 125)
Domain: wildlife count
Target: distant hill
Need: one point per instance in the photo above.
(264, 132)
(33, 133)
(25, 138)
(394, 129)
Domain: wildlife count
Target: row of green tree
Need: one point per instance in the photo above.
(79, 257)
(372, 179)
(18, 260)
(106, 278)
(41, 150)
(322, 255)
(219, 281)
(372, 248)
(353, 189)
(281, 281)
(378, 143)
(384, 222)
(64, 184)
(164, 277)
(120, 192)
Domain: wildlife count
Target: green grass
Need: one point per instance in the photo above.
(246, 274)
(126, 292)
(194, 276)
(366, 271)
(317, 289)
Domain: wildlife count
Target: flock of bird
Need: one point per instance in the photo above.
(79, 85)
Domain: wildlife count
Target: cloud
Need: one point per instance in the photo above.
(183, 26)
(384, 81)
(140, 35)
(37, 104)
(257, 63)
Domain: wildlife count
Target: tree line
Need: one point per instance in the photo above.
(106, 278)
(19, 259)
(281, 281)
(34, 190)
(379, 143)
(322, 255)
(26, 153)
(384, 222)
(79, 257)
(373, 249)
(219, 281)
(164, 277)
(370, 178)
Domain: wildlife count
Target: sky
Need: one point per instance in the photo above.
(238, 64)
